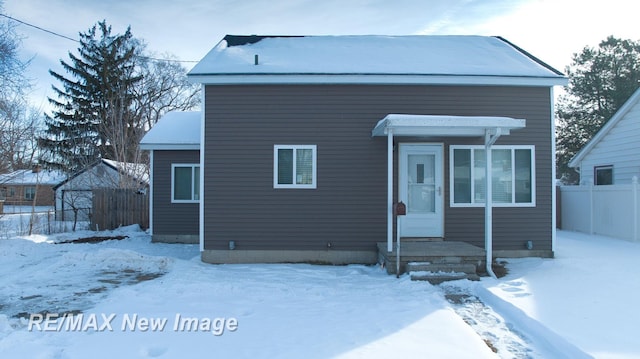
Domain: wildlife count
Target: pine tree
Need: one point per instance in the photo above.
(600, 81)
(94, 105)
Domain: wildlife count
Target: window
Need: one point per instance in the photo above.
(29, 193)
(294, 166)
(603, 175)
(185, 183)
(512, 175)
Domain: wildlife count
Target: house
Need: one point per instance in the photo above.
(26, 186)
(308, 142)
(174, 191)
(612, 156)
(74, 194)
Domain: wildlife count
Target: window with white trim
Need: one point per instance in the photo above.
(512, 176)
(603, 175)
(294, 166)
(185, 183)
(29, 193)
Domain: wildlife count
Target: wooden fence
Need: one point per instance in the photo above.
(612, 211)
(114, 207)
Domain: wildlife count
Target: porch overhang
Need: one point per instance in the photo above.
(445, 126)
(490, 128)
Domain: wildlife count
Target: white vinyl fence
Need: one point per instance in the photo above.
(611, 211)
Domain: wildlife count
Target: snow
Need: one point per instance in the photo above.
(586, 294)
(175, 130)
(138, 171)
(422, 55)
(29, 177)
(579, 304)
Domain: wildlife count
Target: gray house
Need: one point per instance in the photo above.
(308, 143)
(174, 154)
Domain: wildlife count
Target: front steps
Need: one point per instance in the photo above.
(434, 261)
(436, 273)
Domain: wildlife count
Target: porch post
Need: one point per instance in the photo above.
(389, 190)
(488, 201)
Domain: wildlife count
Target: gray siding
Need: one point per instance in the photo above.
(348, 208)
(172, 218)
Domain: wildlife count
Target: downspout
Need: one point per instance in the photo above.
(489, 140)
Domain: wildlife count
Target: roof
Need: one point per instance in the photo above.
(372, 59)
(619, 115)
(433, 125)
(177, 130)
(136, 171)
(29, 177)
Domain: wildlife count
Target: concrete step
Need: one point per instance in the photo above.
(440, 267)
(440, 277)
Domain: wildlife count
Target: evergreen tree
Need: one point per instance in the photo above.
(94, 105)
(600, 81)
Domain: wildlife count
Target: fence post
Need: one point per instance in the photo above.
(634, 186)
(591, 208)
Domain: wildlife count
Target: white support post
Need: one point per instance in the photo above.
(488, 201)
(390, 190)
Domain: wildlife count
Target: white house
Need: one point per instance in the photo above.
(73, 196)
(612, 156)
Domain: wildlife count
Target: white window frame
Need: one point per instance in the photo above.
(30, 193)
(513, 203)
(596, 169)
(193, 166)
(314, 167)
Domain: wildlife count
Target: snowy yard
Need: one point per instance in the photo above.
(126, 289)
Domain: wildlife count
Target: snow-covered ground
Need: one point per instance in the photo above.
(19, 220)
(579, 304)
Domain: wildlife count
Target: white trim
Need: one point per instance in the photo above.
(193, 166)
(314, 166)
(151, 192)
(493, 147)
(373, 79)
(169, 146)
(202, 168)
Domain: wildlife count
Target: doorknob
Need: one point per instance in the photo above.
(439, 191)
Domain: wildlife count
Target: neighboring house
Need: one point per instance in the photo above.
(308, 141)
(74, 194)
(174, 191)
(612, 156)
(23, 187)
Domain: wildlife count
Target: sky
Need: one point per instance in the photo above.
(550, 30)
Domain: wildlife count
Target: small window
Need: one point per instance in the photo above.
(603, 175)
(294, 166)
(512, 176)
(185, 183)
(29, 193)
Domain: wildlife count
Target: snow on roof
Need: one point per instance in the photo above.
(175, 130)
(139, 171)
(29, 177)
(423, 56)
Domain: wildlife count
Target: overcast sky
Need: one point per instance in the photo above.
(552, 30)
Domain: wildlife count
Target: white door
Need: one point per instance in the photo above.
(420, 188)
